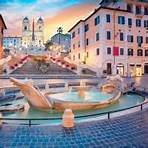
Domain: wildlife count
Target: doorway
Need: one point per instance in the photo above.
(120, 69)
(138, 70)
(146, 68)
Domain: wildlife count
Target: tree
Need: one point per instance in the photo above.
(48, 44)
(60, 30)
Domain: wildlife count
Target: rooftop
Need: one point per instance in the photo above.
(3, 21)
(95, 11)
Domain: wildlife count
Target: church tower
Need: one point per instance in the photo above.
(33, 33)
(25, 32)
(40, 32)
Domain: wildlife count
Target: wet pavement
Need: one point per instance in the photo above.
(129, 131)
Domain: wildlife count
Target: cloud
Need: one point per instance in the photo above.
(66, 18)
(52, 11)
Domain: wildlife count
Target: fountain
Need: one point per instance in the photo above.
(83, 98)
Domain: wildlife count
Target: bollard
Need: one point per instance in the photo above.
(1, 122)
(68, 118)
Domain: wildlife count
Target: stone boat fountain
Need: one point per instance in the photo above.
(82, 98)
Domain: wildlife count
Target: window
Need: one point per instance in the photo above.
(146, 53)
(97, 36)
(73, 57)
(130, 52)
(73, 46)
(146, 23)
(139, 52)
(25, 28)
(79, 44)
(121, 36)
(86, 27)
(87, 41)
(79, 56)
(129, 22)
(108, 35)
(146, 40)
(145, 11)
(2, 31)
(73, 34)
(138, 23)
(87, 54)
(139, 39)
(97, 51)
(121, 20)
(130, 38)
(97, 20)
(108, 18)
(138, 10)
(78, 30)
(121, 51)
(129, 8)
(109, 50)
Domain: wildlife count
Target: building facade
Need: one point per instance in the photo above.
(2, 27)
(32, 33)
(15, 42)
(113, 39)
(63, 40)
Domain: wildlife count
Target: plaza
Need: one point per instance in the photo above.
(82, 85)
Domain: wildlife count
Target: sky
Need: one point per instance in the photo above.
(56, 13)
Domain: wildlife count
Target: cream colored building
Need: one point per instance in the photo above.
(113, 39)
(32, 33)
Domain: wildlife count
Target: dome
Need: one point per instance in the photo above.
(40, 20)
(26, 19)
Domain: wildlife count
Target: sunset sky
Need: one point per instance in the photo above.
(64, 13)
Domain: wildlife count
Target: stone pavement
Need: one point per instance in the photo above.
(129, 131)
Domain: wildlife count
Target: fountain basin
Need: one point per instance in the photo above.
(89, 100)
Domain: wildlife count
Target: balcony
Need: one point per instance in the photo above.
(139, 12)
(139, 15)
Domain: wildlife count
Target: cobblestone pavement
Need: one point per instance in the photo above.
(129, 131)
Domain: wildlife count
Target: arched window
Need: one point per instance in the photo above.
(40, 27)
(25, 28)
(130, 52)
(139, 52)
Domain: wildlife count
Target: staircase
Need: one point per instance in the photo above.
(31, 68)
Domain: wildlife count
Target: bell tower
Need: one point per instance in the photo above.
(25, 32)
(26, 24)
(40, 32)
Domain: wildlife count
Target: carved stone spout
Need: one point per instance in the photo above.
(34, 96)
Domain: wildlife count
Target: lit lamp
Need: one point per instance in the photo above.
(50, 47)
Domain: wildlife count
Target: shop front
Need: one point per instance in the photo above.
(132, 70)
(138, 70)
(120, 69)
